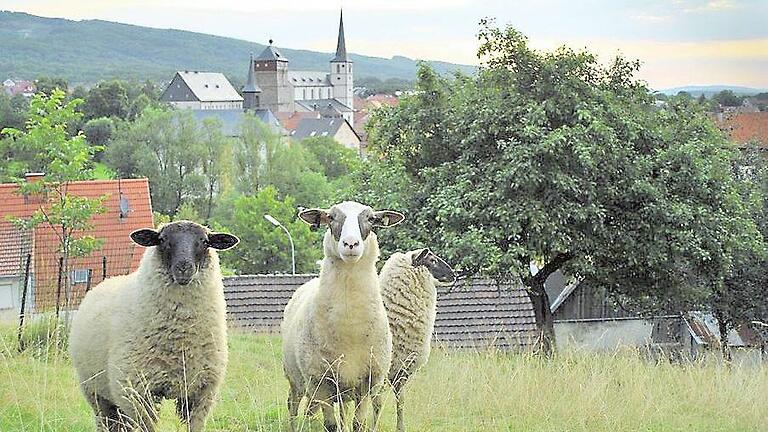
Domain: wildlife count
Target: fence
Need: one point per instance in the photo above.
(474, 314)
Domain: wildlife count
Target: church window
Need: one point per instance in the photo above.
(338, 69)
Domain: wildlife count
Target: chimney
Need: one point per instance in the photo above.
(33, 177)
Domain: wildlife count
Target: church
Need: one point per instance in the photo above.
(273, 86)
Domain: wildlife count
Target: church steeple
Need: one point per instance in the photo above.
(251, 90)
(341, 46)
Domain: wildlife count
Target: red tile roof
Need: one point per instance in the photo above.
(746, 127)
(122, 255)
(291, 120)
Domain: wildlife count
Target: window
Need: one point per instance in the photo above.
(338, 69)
(79, 276)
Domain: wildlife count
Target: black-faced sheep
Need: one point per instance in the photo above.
(408, 288)
(157, 333)
(336, 339)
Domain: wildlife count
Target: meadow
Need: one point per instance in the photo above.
(456, 391)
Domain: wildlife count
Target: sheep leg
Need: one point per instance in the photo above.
(376, 403)
(329, 418)
(361, 409)
(397, 386)
(107, 414)
(294, 399)
(194, 409)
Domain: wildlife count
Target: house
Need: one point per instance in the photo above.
(290, 120)
(586, 319)
(14, 87)
(128, 208)
(232, 119)
(202, 91)
(745, 128)
(337, 128)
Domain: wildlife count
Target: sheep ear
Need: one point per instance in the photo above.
(315, 217)
(419, 258)
(222, 241)
(387, 218)
(146, 237)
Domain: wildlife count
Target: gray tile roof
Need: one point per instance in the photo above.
(210, 86)
(317, 104)
(309, 78)
(341, 45)
(250, 85)
(271, 53)
(317, 127)
(474, 315)
(231, 119)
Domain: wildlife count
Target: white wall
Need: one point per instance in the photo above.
(9, 299)
(603, 335)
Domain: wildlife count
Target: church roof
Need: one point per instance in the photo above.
(209, 86)
(341, 46)
(271, 53)
(250, 85)
(323, 104)
(309, 78)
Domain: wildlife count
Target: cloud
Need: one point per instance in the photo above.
(653, 18)
(707, 6)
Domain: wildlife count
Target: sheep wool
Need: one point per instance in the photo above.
(410, 298)
(140, 338)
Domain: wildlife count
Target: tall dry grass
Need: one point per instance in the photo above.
(456, 391)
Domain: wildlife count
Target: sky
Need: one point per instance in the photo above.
(679, 42)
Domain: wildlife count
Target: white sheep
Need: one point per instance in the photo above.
(407, 283)
(157, 333)
(336, 339)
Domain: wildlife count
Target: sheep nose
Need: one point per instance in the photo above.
(351, 245)
(184, 267)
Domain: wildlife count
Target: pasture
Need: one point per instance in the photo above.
(456, 391)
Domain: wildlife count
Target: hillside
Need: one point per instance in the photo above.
(92, 50)
(710, 90)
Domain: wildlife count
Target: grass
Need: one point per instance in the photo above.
(456, 391)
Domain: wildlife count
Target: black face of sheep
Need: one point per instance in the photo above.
(183, 247)
(439, 268)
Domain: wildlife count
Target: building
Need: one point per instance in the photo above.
(128, 208)
(13, 87)
(745, 128)
(337, 128)
(201, 91)
(473, 314)
(232, 119)
(283, 90)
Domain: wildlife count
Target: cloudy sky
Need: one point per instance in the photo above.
(680, 42)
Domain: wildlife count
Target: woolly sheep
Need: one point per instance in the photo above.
(407, 283)
(336, 339)
(157, 333)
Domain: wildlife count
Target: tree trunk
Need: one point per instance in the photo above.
(723, 325)
(546, 327)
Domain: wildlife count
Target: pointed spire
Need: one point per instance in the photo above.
(250, 85)
(341, 46)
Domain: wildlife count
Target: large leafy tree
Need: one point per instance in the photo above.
(554, 159)
(164, 146)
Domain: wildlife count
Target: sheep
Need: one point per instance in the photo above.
(157, 333)
(336, 339)
(407, 283)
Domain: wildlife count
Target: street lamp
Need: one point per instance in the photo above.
(275, 222)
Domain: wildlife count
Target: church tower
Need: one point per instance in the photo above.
(271, 70)
(251, 90)
(341, 70)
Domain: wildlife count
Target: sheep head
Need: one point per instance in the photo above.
(183, 247)
(439, 269)
(350, 224)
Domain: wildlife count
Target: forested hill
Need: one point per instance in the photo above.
(85, 52)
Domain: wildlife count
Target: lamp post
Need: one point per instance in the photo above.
(276, 223)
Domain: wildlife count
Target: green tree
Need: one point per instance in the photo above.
(107, 99)
(727, 98)
(553, 159)
(13, 111)
(165, 147)
(99, 131)
(215, 162)
(267, 248)
(63, 158)
(46, 85)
